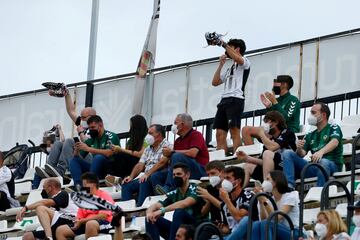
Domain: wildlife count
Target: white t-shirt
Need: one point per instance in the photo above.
(356, 234)
(290, 199)
(5, 176)
(234, 79)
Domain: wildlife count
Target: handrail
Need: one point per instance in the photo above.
(353, 168)
(253, 201)
(301, 205)
(324, 202)
(268, 222)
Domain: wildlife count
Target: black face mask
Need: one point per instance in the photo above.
(178, 181)
(44, 194)
(85, 189)
(276, 90)
(94, 133)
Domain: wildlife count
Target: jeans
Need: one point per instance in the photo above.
(283, 231)
(293, 165)
(240, 231)
(143, 189)
(78, 166)
(60, 154)
(158, 178)
(167, 229)
(197, 171)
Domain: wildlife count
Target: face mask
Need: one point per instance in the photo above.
(85, 189)
(227, 185)
(267, 186)
(214, 180)
(149, 139)
(356, 220)
(276, 90)
(266, 127)
(313, 120)
(93, 133)
(84, 124)
(44, 194)
(178, 181)
(321, 230)
(174, 129)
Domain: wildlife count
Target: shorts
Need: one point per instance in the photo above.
(105, 227)
(228, 113)
(58, 223)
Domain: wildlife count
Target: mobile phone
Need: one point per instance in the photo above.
(76, 139)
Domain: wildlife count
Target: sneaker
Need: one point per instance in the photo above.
(52, 171)
(111, 180)
(160, 190)
(56, 89)
(41, 172)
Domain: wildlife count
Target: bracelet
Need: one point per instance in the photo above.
(162, 210)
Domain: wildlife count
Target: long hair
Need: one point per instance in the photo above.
(335, 224)
(280, 180)
(138, 131)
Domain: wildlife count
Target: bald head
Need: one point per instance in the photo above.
(87, 112)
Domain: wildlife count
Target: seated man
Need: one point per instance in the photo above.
(235, 201)
(276, 137)
(90, 222)
(215, 171)
(98, 145)
(189, 148)
(149, 163)
(325, 144)
(54, 210)
(183, 200)
(7, 187)
(288, 105)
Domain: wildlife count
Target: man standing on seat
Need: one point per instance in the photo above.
(231, 106)
(325, 144)
(189, 148)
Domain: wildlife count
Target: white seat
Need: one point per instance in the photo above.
(101, 237)
(29, 176)
(152, 199)
(116, 195)
(310, 215)
(22, 188)
(216, 155)
(314, 193)
(130, 204)
(254, 149)
(34, 196)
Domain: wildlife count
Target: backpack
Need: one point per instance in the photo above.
(17, 159)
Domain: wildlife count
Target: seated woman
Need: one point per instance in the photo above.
(126, 158)
(286, 201)
(330, 226)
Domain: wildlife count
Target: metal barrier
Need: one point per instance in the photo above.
(301, 205)
(324, 203)
(268, 222)
(251, 206)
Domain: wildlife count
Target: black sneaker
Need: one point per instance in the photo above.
(41, 172)
(56, 89)
(160, 190)
(52, 171)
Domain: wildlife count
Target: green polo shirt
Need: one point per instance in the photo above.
(315, 140)
(102, 142)
(176, 195)
(289, 106)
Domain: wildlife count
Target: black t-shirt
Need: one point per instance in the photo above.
(286, 140)
(61, 200)
(214, 211)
